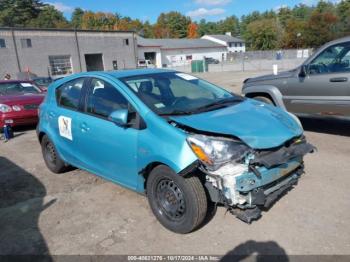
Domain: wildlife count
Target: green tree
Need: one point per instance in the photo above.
(322, 25)
(49, 17)
(229, 24)
(77, 18)
(211, 28)
(172, 25)
(147, 30)
(284, 14)
(301, 11)
(263, 34)
(294, 33)
(19, 12)
(343, 13)
(99, 21)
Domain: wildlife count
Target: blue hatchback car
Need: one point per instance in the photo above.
(182, 141)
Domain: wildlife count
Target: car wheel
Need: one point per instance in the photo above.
(180, 204)
(264, 99)
(51, 157)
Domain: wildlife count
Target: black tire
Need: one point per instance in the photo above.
(51, 157)
(264, 99)
(180, 204)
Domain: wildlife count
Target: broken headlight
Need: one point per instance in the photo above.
(214, 151)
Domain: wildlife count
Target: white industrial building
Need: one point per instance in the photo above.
(178, 52)
(233, 44)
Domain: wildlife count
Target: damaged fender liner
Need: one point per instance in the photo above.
(271, 159)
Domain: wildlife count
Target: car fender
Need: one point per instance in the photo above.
(273, 91)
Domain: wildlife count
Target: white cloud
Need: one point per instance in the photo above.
(314, 2)
(213, 2)
(61, 7)
(202, 12)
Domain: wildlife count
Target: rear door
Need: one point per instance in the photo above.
(63, 118)
(326, 88)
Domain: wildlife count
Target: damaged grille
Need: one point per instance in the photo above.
(284, 154)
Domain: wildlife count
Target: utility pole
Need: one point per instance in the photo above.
(16, 50)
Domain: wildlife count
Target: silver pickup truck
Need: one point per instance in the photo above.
(319, 87)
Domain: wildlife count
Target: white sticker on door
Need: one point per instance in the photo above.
(65, 127)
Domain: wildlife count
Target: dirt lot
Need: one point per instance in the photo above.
(79, 213)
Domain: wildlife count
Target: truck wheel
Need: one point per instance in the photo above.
(264, 99)
(51, 157)
(180, 204)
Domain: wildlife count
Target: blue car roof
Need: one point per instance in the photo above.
(127, 73)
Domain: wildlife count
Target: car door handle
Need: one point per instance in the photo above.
(339, 79)
(52, 114)
(84, 127)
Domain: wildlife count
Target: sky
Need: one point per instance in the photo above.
(211, 10)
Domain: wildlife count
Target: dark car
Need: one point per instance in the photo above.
(210, 60)
(19, 102)
(319, 87)
(42, 82)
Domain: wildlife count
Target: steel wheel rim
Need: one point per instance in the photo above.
(170, 199)
(50, 153)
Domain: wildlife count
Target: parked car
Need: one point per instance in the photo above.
(210, 60)
(42, 82)
(319, 87)
(19, 102)
(182, 141)
(145, 64)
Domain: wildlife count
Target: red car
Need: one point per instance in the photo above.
(19, 102)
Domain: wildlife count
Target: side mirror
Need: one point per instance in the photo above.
(119, 117)
(303, 71)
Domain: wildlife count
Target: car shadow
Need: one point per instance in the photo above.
(261, 251)
(326, 125)
(21, 202)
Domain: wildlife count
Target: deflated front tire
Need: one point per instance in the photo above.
(180, 204)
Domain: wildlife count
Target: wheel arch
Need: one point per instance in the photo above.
(146, 171)
(265, 90)
(41, 135)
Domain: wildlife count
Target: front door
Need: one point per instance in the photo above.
(326, 88)
(105, 148)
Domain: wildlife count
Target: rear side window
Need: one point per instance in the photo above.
(104, 98)
(68, 95)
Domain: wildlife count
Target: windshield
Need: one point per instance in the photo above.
(174, 93)
(18, 89)
(42, 81)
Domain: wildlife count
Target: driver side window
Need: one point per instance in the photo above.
(333, 59)
(104, 98)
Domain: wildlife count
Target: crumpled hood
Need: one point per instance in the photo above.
(284, 74)
(259, 125)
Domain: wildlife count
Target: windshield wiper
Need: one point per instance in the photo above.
(219, 104)
(176, 113)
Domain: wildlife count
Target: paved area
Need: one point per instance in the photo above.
(79, 213)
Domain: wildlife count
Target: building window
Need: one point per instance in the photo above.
(189, 57)
(2, 43)
(26, 43)
(240, 44)
(126, 41)
(60, 65)
(235, 44)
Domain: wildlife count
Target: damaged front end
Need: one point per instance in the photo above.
(247, 181)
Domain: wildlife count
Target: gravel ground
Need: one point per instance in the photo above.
(79, 213)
